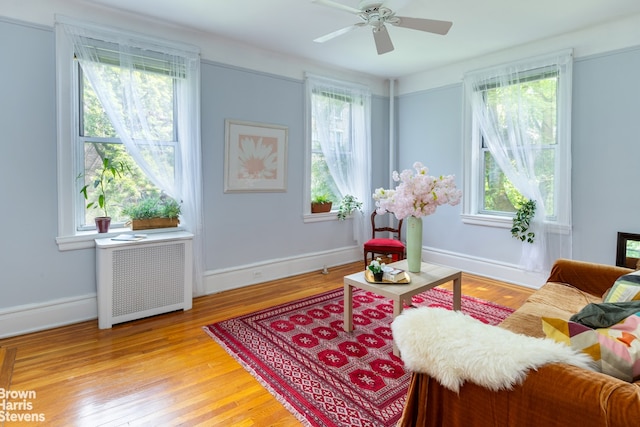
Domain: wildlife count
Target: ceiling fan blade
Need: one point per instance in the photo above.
(337, 33)
(428, 25)
(337, 5)
(382, 39)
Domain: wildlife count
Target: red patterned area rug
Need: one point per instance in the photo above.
(323, 375)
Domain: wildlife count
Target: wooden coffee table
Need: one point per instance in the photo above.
(429, 277)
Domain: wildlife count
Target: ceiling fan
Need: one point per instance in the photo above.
(374, 14)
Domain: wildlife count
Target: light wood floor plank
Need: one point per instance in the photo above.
(165, 370)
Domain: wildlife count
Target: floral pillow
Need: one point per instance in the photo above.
(626, 288)
(616, 350)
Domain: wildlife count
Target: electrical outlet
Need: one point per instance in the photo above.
(257, 274)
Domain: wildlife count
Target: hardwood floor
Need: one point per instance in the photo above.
(165, 370)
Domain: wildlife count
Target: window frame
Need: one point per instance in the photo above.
(81, 139)
(309, 151)
(70, 151)
(473, 212)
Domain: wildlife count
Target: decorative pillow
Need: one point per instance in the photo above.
(626, 288)
(616, 350)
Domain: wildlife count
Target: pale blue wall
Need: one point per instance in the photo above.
(240, 229)
(244, 228)
(605, 156)
(605, 152)
(31, 267)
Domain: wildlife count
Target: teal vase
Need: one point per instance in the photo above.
(414, 243)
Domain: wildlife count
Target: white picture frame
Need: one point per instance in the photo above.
(255, 157)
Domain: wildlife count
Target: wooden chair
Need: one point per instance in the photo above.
(384, 246)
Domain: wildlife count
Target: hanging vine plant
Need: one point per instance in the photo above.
(348, 204)
(522, 220)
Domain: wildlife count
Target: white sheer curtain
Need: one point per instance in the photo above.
(98, 49)
(510, 124)
(348, 151)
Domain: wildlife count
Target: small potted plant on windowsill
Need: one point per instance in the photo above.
(153, 212)
(109, 172)
(321, 203)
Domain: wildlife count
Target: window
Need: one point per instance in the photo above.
(519, 123)
(97, 139)
(498, 194)
(339, 141)
(337, 130)
(135, 100)
(519, 149)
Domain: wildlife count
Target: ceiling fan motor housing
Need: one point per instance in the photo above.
(376, 15)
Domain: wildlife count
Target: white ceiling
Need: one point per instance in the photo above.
(290, 26)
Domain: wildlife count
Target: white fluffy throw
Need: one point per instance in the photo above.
(453, 348)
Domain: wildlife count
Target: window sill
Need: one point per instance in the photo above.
(86, 239)
(319, 217)
(507, 222)
(488, 220)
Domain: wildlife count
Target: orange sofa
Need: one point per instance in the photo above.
(556, 394)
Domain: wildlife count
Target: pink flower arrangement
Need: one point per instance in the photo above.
(418, 194)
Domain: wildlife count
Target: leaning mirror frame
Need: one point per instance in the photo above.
(627, 242)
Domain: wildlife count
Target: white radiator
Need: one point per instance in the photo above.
(143, 278)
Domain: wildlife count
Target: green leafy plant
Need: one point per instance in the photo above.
(171, 209)
(109, 172)
(321, 199)
(147, 207)
(522, 221)
(376, 266)
(348, 204)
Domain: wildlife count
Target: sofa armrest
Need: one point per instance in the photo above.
(587, 276)
(556, 395)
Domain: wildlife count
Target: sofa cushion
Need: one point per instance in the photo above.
(551, 300)
(616, 350)
(626, 288)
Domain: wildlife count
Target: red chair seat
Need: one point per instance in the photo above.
(383, 245)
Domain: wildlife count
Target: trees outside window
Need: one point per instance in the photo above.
(499, 195)
(519, 147)
(338, 130)
(339, 144)
(97, 139)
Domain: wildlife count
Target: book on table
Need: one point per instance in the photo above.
(393, 275)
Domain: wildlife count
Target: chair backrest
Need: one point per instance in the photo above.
(396, 231)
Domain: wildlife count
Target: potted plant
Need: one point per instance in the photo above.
(108, 173)
(376, 267)
(348, 204)
(153, 212)
(321, 203)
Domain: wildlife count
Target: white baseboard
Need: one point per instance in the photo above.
(66, 311)
(504, 272)
(37, 317)
(250, 274)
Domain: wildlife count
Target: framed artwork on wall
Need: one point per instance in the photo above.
(255, 157)
(628, 250)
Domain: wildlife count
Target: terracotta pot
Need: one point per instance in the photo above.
(321, 207)
(102, 224)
